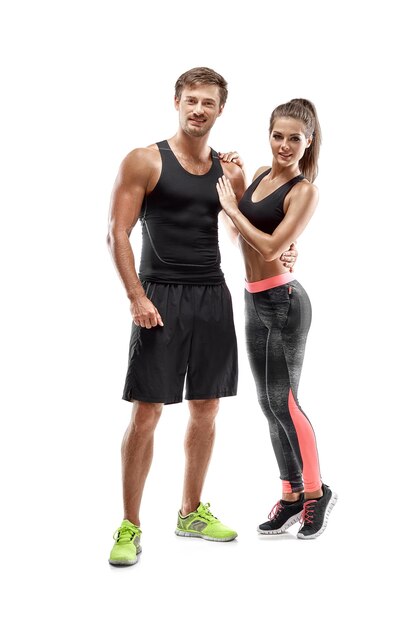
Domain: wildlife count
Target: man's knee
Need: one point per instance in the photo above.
(145, 415)
(204, 409)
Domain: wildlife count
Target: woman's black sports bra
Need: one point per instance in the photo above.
(268, 212)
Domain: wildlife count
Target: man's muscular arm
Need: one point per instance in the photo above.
(131, 184)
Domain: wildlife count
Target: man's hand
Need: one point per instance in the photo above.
(144, 313)
(289, 257)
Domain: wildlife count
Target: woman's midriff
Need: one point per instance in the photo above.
(256, 267)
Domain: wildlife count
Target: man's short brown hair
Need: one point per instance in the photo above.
(202, 76)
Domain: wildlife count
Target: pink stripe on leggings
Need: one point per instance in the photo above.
(308, 448)
(269, 283)
(286, 486)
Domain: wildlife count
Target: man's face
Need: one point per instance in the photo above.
(199, 107)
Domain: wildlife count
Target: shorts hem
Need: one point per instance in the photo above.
(132, 397)
(211, 396)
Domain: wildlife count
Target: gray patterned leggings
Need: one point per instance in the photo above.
(277, 325)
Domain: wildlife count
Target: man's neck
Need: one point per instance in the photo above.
(194, 148)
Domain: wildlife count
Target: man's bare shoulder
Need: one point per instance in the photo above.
(141, 163)
(143, 157)
(232, 171)
(236, 176)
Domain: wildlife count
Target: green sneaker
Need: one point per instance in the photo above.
(202, 523)
(127, 544)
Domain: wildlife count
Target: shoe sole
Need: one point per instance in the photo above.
(329, 508)
(126, 563)
(184, 533)
(292, 520)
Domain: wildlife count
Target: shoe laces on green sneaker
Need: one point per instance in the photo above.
(127, 544)
(202, 523)
(203, 510)
(126, 533)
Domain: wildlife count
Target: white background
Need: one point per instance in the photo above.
(84, 83)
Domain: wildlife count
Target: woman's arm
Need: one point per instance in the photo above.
(236, 177)
(303, 201)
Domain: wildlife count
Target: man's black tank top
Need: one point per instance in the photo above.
(180, 225)
(268, 212)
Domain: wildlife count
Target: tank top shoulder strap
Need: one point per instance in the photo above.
(216, 167)
(261, 175)
(286, 188)
(256, 181)
(296, 180)
(165, 150)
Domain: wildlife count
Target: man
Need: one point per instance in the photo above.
(181, 307)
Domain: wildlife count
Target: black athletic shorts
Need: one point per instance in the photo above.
(197, 342)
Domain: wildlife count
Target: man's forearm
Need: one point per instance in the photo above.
(124, 260)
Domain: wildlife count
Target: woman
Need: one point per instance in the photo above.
(272, 213)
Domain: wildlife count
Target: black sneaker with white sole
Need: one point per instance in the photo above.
(283, 515)
(316, 513)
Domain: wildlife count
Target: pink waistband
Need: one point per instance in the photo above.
(269, 283)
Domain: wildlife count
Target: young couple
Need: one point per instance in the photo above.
(183, 328)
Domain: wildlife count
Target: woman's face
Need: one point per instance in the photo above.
(288, 140)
